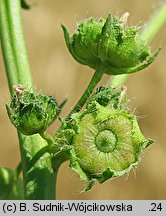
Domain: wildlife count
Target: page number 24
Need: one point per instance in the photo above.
(155, 207)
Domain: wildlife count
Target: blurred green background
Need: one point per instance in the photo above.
(56, 73)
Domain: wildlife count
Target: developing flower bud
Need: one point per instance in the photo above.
(31, 112)
(119, 49)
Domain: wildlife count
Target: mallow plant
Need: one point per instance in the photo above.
(100, 136)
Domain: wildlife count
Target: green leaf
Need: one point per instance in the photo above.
(11, 187)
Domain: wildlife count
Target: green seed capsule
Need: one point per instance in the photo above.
(107, 142)
(119, 49)
(86, 40)
(31, 112)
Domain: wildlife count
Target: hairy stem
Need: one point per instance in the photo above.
(39, 181)
(149, 31)
(94, 81)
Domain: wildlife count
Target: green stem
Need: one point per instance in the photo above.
(150, 30)
(39, 181)
(13, 44)
(94, 81)
(117, 80)
(48, 138)
(37, 156)
(153, 26)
